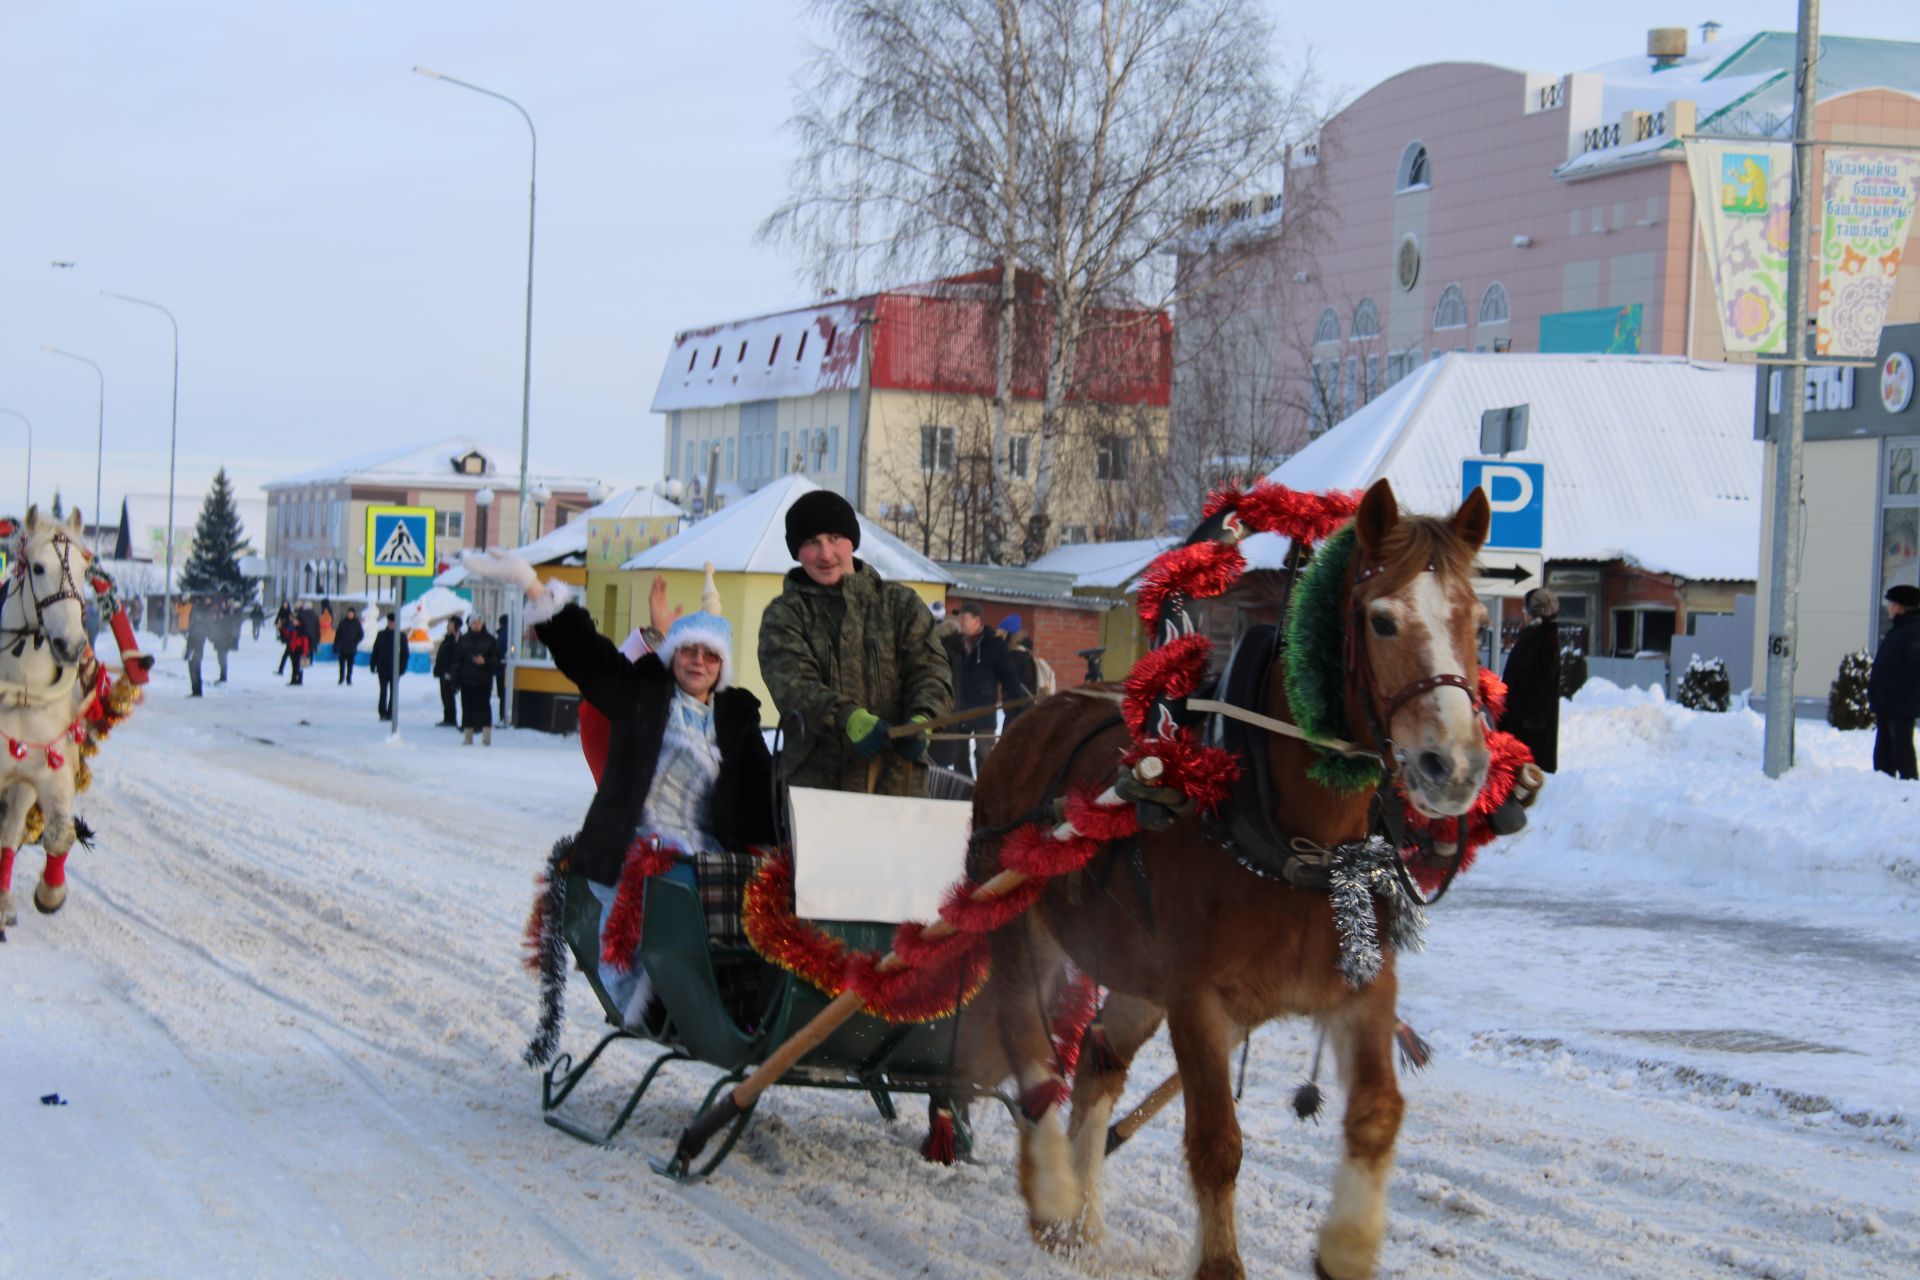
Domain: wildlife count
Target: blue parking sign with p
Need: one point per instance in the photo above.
(1517, 492)
(400, 541)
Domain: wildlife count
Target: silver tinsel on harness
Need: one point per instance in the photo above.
(1361, 872)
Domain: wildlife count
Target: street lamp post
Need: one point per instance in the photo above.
(15, 413)
(99, 434)
(173, 441)
(526, 361)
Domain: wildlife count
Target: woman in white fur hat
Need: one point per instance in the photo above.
(686, 763)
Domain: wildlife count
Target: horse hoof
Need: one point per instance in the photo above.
(48, 899)
(1320, 1272)
(1062, 1237)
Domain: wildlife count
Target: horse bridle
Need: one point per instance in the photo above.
(1360, 677)
(68, 590)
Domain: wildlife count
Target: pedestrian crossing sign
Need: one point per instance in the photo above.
(400, 541)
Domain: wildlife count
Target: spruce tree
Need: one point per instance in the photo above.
(218, 539)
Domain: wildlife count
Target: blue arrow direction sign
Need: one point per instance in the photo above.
(1517, 492)
(400, 541)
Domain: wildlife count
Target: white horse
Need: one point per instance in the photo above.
(43, 699)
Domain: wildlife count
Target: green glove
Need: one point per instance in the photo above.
(914, 748)
(868, 733)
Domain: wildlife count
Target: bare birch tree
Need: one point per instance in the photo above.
(1067, 137)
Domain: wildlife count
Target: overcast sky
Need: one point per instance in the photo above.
(344, 243)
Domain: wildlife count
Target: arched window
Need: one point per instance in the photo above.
(1328, 330)
(1415, 169)
(1493, 304)
(1452, 311)
(1366, 320)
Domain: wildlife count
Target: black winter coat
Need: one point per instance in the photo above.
(1533, 692)
(347, 636)
(983, 677)
(1893, 688)
(309, 622)
(446, 656)
(480, 645)
(635, 697)
(381, 659)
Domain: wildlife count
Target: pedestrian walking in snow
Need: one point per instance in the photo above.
(283, 632)
(477, 654)
(1533, 681)
(225, 634)
(1893, 687)
(198, 625)
(307, 618)
(847, 655)
(346, 643)
(446, 659)
(382, 662)
(300, 651)
(500, 670)
(257, 616)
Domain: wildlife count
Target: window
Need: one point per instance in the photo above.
(800, 350)
(1373, 376)
(1113, 460)
(774, 354)
(692, 358)
(716, 359)
(1642, 631)
(1493, 304)
(833, 448)
(936, 449)
(786, 455)
(688, 473)
(743, 352)
(1415, 169)
(831, 334)
(1451, 313)
(1349, 401)
(1019, 449)
(1366, 319)
(1322, 406)
(1072, 535)
(1328, 330)
(448, 524)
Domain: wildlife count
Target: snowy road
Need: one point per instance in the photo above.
(285, 1009)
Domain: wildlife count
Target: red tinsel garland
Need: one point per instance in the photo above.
(645, 858)
(1274, 508)
(1197, 571)
(1174, 670)
(814, 957)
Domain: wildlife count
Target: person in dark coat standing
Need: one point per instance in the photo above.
(500, 668)
(1020, 650)
(256, 615)
(446, 658)
(381, 660)
(1533, 681)
(346, 643)
(984, 675)
(476, 656)
(283, 632)
(1893, 687)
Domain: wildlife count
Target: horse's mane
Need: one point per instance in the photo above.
(1416, 543)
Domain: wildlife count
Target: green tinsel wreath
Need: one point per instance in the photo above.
(1316, 669)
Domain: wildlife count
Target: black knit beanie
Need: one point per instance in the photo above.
(820, 511)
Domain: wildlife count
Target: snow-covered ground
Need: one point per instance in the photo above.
(1674, 1023)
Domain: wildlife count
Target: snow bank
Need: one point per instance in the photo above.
(1653, 796)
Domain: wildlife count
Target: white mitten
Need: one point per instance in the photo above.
(501, 566)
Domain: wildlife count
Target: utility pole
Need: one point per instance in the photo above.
(1783, 583)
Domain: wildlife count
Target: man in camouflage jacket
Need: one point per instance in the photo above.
(847, 655)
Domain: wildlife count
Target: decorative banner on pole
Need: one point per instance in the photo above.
(1742, 191)
(1863, 228)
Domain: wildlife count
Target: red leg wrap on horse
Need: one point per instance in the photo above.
(6, 869)
(939, 1148)
(55, 873)
(1042, 1098)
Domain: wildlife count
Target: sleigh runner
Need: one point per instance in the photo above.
(1360, 735)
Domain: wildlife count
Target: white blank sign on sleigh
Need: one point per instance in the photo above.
(875, 858)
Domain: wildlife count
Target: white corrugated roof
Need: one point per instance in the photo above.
(1102, 565)
(739, 361)
(749, 535)
(429, 465)
(570, 539)
(1649, 458)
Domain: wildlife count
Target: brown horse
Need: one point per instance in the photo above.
(1228, 950)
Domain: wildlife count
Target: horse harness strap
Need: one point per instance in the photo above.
(1360, 676)
(1284, 728)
